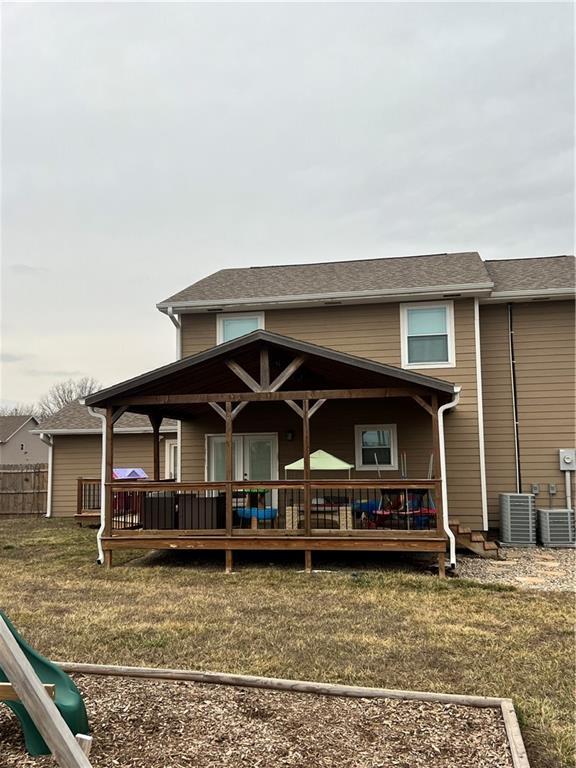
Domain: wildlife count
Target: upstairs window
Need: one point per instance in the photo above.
(427, 335)
(231, 326)
(376, 446)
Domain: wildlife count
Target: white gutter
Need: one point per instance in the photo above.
(434, 291)
(480, 406)
(120, 431)
(443, 408)
(100, 533)
(49, 440)
(533, 294)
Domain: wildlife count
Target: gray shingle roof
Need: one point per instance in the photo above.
(77, 417)
(533, 274)
(394, 274)
(11, 424)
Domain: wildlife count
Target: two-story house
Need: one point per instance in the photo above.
(371, 404)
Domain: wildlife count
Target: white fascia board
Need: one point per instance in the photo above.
(119, 431)
(313, 299)
(528, 295)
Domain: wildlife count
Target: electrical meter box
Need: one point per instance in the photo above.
(568, 459)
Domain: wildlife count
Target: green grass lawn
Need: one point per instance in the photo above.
(383, 627)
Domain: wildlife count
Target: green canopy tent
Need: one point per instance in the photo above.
(320, 460)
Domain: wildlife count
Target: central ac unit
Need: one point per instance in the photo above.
(556, 527)
(518, 519)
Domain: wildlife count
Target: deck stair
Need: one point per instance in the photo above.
(475, 541)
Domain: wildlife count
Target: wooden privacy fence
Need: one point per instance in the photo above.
(23, 489)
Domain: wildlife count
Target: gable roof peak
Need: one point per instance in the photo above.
(9, 425)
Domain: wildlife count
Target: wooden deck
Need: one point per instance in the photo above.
(379, 514)
(306, 516)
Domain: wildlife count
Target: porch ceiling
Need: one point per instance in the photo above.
(208, 373)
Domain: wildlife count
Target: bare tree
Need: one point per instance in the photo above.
(19, 409)
(64, 392)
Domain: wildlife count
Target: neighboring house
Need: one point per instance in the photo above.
(18, 445)
(75, 438)
(442, 380)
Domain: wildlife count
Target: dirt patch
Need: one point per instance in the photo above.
(142, 724)
(528, 568)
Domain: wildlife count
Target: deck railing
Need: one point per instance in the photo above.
(333, 508)
(88, 496)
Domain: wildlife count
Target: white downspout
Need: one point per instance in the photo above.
(100, 533)
(177, 321)
(49, 440)
(480, 411)
(178, 325)
(443, 408)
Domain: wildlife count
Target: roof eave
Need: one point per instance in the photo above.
(530, 294)
(319, 299)
(96, 431)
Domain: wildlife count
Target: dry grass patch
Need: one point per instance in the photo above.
(381, 627)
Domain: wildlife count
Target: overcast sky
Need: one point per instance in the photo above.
(147, 145)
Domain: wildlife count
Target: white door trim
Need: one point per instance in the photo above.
(240, 454)
(170, 471)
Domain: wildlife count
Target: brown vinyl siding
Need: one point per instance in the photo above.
(198, 333)
(77, 456)
(373, 331)
(331, 429)
(544, 346)
(544, 351)
(498, 409)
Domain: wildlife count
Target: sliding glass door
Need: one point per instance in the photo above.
(255, 457)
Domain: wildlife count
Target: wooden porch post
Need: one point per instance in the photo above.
(229, 479)
(108, 480)
(438, 480)
(264, 369)
(156, 421)
(307, 494)
(79, 497)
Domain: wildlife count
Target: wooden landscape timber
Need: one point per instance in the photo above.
(506, 706)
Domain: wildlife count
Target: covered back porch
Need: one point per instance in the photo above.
(250, 405)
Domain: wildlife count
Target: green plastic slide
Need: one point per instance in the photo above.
(67, 698)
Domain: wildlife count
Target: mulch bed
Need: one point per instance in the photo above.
(144, 724)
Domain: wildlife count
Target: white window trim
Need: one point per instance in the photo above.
(449, 306)
(358, 429)
(235, 316)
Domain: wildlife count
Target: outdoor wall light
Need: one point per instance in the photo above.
(289, 435)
